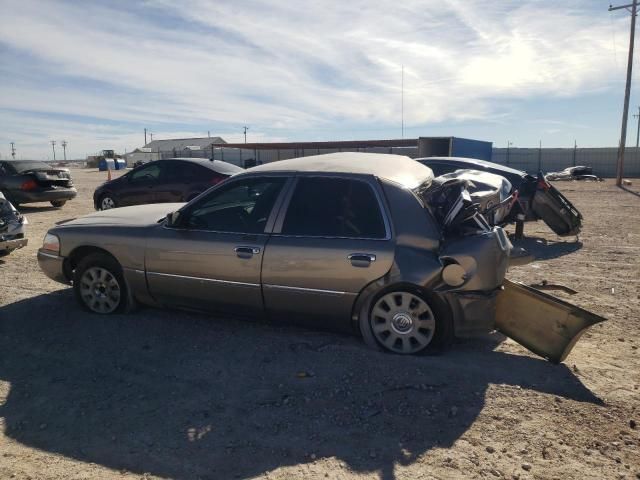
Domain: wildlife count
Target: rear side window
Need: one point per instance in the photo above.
(186, 171)
(334, 207)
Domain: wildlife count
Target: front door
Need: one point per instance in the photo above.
(211, 258)
(139, 186)
(333, 239)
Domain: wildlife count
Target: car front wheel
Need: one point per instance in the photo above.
(107, 202)
(405, 322)
(99, 285)
(58, 203)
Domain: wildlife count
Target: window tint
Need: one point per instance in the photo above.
(185, 171)
(333, 207)
(240, 207)
(151, 172)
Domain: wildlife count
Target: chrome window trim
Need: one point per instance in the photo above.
(307, 290)
(212, 280)
(373, 184)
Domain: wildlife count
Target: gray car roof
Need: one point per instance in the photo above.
(395, 168)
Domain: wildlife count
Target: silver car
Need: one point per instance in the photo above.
(350, 241)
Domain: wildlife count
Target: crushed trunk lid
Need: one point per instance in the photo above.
(546, 325)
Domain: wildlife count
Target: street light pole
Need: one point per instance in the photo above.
(627, 91)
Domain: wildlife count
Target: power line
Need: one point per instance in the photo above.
(627, 90)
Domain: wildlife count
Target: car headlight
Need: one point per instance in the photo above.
(51, 243)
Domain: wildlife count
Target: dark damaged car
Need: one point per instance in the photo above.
(533, 198)
(357, 242)
(30, 181)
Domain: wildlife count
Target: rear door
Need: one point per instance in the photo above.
(212, 259)
(182, 180)
(332, 240)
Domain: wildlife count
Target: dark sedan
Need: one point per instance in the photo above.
(535, 198)
(162, 181)
(28, 181)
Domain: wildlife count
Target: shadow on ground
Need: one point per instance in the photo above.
(188, 396)
(544, 249)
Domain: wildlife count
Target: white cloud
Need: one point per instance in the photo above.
(326, 66)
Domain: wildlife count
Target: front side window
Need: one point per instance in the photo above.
(149, 173)
(334, 207)
(239, 207)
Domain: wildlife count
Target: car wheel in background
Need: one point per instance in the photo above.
(99, 285)
(107, 202)
(58, 203)
(405, 322)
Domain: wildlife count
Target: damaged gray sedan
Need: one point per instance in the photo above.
(359, 242)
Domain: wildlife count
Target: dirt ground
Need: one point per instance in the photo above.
(163, 394)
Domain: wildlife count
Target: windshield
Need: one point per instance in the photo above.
(25, 165)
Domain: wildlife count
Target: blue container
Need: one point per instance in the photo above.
(121, 164)
(106, 164)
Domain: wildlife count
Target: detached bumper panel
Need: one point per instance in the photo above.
(544, 324)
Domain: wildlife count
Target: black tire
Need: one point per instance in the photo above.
(4, 253)
(441, 338)
(88, 292)
(58, 203)
(105, 199)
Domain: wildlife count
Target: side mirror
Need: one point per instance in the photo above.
(172, 219)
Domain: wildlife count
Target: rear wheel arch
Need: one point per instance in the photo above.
(377, 289)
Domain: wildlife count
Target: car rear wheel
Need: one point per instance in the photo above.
(107, 202)
(99, 285)
(58, 203)
(405, 322)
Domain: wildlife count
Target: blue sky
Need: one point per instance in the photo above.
(97, 73)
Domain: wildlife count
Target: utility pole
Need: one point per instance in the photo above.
(53, 146)
(13, 150)
(64, 149)
(402, 100)
(638, 134)
(151, 136)
(508, 148)
(627, 90)
(145, 136)
(540, 155)
(245, 133)
(575, 148)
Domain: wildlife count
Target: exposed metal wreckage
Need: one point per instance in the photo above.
(12, 227)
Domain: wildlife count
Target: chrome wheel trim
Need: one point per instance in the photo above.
(402, 322)
(100, 290)
(107, 203)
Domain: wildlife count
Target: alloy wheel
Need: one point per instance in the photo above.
(107, 203)
(100, 290)
(402, 322)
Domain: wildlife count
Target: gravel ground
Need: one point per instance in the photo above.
(164, 394)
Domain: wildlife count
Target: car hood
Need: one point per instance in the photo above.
(139, 215)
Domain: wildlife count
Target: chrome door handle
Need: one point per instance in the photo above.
(242, 250)
(361, 257)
